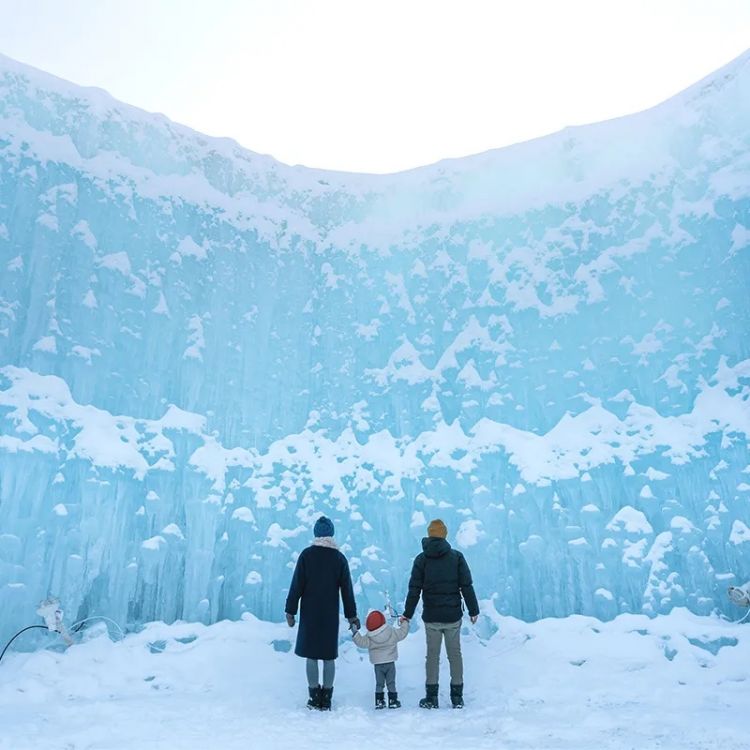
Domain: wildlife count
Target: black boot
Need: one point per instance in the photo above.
(325, 698)
(431, 698)
(393, 701)
(379, 701)
(457, 696)
(314, 703)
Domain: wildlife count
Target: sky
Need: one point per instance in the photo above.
(379, 85)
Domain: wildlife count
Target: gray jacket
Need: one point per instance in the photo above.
(383, 642)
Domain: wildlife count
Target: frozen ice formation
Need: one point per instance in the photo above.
(201, 349)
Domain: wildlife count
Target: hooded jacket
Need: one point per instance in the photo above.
(441, 576)
(383, 642)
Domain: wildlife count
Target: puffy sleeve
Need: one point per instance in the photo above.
(361, 640)
(467, 587)
(402, 631)
(416, 581)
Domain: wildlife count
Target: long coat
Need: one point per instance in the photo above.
(442, 576)
(321, 574)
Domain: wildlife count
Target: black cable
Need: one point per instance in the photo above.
(30, 627)
(76, 629)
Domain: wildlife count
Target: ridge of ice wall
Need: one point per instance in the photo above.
(201, 349)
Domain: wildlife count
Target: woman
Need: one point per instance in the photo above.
(321, 573)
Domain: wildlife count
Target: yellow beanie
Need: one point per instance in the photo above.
(437, 529)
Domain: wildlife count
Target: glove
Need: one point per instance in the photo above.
(290, 620)
(355, 623)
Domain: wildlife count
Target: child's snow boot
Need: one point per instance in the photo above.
(431, 698)
(393, 701)
(325, 699)
(314, 703)
(379, 701)
(457, 696)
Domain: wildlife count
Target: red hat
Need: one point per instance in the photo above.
(375, 620)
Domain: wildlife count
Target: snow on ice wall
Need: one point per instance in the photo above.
(202, 349)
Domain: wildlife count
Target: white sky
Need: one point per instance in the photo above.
(379, 85)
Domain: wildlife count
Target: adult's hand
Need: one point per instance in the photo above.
(474, 619)
(402, 620)
(290, 620)
(355, 623)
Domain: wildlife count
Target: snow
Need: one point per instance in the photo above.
(188, 248)
(740, 239)
(656, 476)
(243, 514)
(196, 339)
(15, 264)
(46, 344)
(83, 232)
(631, 521)
(678, 683)
(174, 530)
(469, 533)
(155, 543)
(90, 300)
(740, 533)
(161, 307)
(119, 262)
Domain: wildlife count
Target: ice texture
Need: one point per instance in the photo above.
(202, 349)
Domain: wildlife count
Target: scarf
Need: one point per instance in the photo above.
(325, 541)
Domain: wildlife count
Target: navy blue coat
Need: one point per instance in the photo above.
(321, 573)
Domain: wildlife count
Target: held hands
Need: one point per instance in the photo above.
(290, 620)
(354, 623)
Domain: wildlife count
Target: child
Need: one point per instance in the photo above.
(381, 640)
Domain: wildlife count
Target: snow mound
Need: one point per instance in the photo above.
(568, 683)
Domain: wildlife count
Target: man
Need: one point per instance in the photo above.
(441, 576)
(321, 575)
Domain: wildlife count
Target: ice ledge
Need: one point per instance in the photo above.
(577, 444)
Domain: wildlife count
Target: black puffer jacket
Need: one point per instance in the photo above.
(442, 576)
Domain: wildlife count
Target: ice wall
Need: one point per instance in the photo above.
(201, 349)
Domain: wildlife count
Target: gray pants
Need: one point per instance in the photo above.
(385, 674)
(313, 673)
(435, 632)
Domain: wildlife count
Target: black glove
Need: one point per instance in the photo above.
(355, 623)
(290, 620)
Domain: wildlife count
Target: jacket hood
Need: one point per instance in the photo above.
(381, 634)
(435, 547)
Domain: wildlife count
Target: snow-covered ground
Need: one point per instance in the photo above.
(678, 681)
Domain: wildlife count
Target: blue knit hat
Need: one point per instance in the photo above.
(323, 527)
